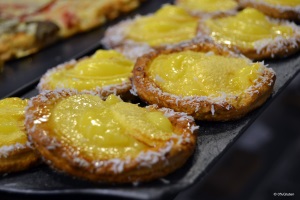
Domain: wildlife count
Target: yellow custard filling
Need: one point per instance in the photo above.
(282, 2)
(104, 68)
(12, 118)
(208, 5)
(169, 25)
(108, 129)
(190, 73)
(246, 28)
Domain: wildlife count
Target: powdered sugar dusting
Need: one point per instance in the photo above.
(146, 158)
(212, 109)
(275, 44)
(279, 42)
(132, 50)
(45, 79)
(7, 149)
(261, 80)
(115, 35)
(103, 92)
(227, 101)
(133, 90)
(149, 158)
(272, 45)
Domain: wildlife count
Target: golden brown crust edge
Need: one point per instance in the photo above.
(22, 45)
(272, 11)
(201, 108)
(143, 168)
(18, 160)
(264, 49)
(288, 48)
(115, 38)
(202, 14)
(122, 89)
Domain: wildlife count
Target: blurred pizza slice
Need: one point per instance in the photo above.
(27, 26)
(13, 9)
(78, 16)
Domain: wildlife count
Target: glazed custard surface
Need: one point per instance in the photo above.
(168, 25)
(12, 118)
(202, 74)
(104, 68)
(108, 129)
(246, 28)
(208, 5)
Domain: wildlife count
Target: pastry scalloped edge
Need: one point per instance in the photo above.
(280, 8)
(103, 91)
(115, 38)
(196, 103)
(216, 100)
(264, 46)
(221, 100)
(145, 158)
(203, 14)
(7, 149)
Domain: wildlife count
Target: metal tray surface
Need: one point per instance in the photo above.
(214, 138)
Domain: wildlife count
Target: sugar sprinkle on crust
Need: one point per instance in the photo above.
(203, 14)
(211, 108)
(148, 165)
(115, 38)
(7, 149)
(266, 48)
(117, 89)
(17, 156)
(276, 11)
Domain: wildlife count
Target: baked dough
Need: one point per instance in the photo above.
(253, 34)
(176, 83)
(168, 26)
(109, 141)
(27, 26)
(208, 8)
(105, 72)
(16, 153)
(19, 39)
(288, 10)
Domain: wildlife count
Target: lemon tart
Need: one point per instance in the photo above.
(109, 141)
(169, 25)
(15, 151)
(105, 72)
(203, 80)
(205, 8)
(253, 34)
(281, 9)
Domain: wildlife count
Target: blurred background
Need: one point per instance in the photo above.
(263, 161)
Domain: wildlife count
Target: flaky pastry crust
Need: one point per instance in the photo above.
(17, 157)
(148, 165)
(115, 38)
(278, 47)
(279, 12)
(121, 89)
(201, 107)
(202, 14)
(16, 153)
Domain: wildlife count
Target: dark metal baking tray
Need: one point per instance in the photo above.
(213, 140)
